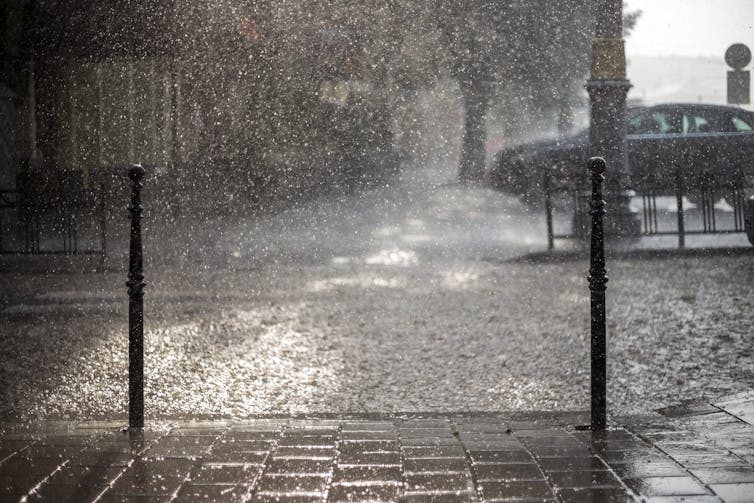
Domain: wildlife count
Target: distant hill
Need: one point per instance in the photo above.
(678, 78)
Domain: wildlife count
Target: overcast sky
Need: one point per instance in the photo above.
(690, 27)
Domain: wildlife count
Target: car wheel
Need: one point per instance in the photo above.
(734, 198)
(696, 197)
(723, 189)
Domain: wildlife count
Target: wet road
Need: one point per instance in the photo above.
(404, 299)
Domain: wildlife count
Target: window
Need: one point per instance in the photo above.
(740, 124)
(639, 124)
(695, 124)
(668, 122)
(656, 122)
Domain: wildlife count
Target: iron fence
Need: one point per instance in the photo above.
(679, 205)
(54, 213)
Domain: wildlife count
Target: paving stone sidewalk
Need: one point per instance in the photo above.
(697, 452)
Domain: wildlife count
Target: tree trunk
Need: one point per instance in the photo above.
(472, 148)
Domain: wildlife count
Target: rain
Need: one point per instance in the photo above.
(323, 229)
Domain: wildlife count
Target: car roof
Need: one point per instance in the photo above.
(699, 106)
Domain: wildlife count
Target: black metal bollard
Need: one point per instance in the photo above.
(135, 286)
(597, 286)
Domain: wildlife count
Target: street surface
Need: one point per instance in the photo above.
(698, 452)
(422, 296)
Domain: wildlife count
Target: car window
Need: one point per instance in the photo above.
(654, 122)
(740, 125)
(635, 124)
(695, 124)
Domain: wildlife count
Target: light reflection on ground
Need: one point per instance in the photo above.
(394, 257)
(250, 361)
(360, 281)
(314, 311)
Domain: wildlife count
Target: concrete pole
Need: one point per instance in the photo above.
(608, 87)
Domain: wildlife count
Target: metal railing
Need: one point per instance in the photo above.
(679, 205)
(54, 213)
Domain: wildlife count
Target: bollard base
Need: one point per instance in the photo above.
(595, 434)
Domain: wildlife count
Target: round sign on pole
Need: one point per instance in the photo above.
(738, 56)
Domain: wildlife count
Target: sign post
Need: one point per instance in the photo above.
(739, 81)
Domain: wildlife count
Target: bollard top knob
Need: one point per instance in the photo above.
(136, 172)
(597, 165)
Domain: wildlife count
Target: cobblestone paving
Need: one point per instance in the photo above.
(695, 453)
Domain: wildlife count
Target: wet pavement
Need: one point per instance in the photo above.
(399, 337)
(694, 452)
(421, 297)
(424, 337)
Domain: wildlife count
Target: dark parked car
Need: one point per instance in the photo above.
(709, 143)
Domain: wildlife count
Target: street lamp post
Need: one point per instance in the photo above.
(608, 87)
